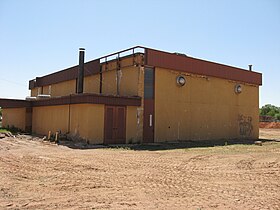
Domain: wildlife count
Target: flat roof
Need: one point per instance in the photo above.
(156, 58)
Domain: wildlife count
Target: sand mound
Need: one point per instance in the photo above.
(269, 125)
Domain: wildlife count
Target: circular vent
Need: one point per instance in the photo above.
(238, 88)
(181, 81)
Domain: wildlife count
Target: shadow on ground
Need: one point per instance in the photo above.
(161, 146)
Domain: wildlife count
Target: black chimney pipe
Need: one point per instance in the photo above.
(250, 67)
(80, 88)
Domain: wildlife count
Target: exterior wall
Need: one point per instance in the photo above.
(47, 90)
(34, 92)
(128, 80)
(134, 125)
(28, 119)
(14, 117)
(91, 84)
(50, 118)
(63, 88)
(109, 82)
(58, 89)
(87, 122)
(140, 110)
(205, 108)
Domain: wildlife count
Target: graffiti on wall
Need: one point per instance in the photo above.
(245, 125)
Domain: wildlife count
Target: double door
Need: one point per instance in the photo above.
(115, 125)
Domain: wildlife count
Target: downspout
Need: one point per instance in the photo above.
(69, 113)
(118, 75)
(100, 79)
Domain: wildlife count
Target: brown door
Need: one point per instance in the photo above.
(115, 121)
(149, 104)
(109, 125)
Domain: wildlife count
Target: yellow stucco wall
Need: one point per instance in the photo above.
(129, 80)
(109, 82)
(134, 124)
(34, 92)
(205, 108)
(87, 122)
(14, 117)
(47, 90)
(63, 88)
(58, 89)
(128, 83)
(50, 118)
(91, 84)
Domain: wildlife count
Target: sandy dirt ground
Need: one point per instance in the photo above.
(35, 174)
(270, 134)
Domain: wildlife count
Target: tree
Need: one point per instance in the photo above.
(270, 110)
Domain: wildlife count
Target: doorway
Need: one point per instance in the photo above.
(115, 125)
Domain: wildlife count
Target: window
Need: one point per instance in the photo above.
(149, 83)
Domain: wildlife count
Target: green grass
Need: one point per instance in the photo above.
(3, 130)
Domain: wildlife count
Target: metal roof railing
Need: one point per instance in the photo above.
(122, 53)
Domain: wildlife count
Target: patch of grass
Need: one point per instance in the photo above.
(3, 130)
(11, 129)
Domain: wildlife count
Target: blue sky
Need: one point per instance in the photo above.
(41, 37)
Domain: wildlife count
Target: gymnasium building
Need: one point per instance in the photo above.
(141, 95)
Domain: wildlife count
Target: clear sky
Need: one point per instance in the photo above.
(41, 37)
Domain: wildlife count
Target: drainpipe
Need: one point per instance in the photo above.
(69, 114)
(81, 70)
(118, 75)
(100, 79)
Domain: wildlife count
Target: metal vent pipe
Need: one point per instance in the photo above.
(250, 67)
(80, 83)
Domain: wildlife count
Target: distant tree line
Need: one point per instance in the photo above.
(270, 110)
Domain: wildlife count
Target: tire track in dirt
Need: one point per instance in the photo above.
(37, 175)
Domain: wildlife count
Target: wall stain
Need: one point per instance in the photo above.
(245, 125)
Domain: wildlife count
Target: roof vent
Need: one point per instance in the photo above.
(180, 54)
(250, 67)
(43, 96)
(30, 98)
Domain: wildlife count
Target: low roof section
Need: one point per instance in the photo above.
(85, 98)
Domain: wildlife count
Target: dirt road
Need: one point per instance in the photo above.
(40, 175)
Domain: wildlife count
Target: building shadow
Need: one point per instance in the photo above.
(163, 146)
